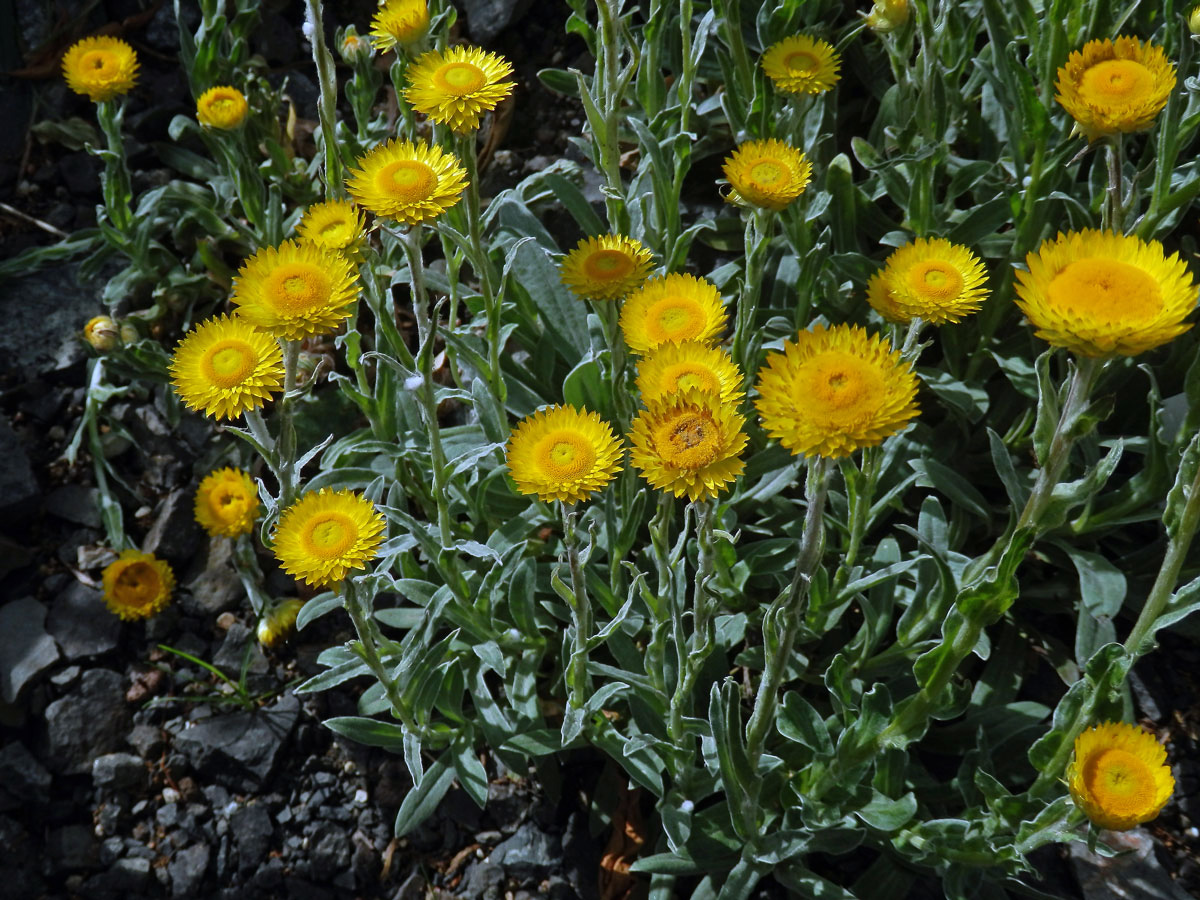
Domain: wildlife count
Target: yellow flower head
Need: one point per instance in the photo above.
(931, 279)
(408, 182)
(137, 585)
(1115, 86)
(675, 368)
(102, 333)
(399, 22)
(688, 443)
(888, 15)
(1118, 777)
(226, 366)
(562, 453)
(277, 622)
(100, 67)
(670, 310)
(1100, 294)
(323, 535)
(606, 267)
(835, 390)
(227, 503)
(295, 290)
(335, 225)
(222, 107)
(802, 65)
(456, 86)
(766, 173)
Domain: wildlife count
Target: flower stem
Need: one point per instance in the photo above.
(286, 446)
(703, 637)
(757, 238)
(578, 683)
(786, 612)
(609, 148)
(117, 192)
(1113, 212)
(368, 633)
(327, 102)
(660, 539)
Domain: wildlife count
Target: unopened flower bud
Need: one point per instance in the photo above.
(278, 622)
(355, 46)
(1194, 20)
(129, 333)
(102, 333)
(888, 15)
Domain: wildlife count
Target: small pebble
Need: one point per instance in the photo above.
(225, 620)
(1193, 832)
(170, 795)
(360, 797)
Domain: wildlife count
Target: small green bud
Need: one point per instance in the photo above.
(888, 15)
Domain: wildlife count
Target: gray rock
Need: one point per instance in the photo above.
(13, 556)
(147, 740)
(174, 536)
(25, 649)
(529, 853)
(73, 848)
(90, 721)
(75, 503)
(119, 772)
(487, 18)
(330, 853)
(187, 868)
(217, 588)
(23, 776)
(239, 750)
(232, 651)
(253, 833)
(45, 312)
(82, 624)
(18, 486)
(484, 879)
(128, 875)
(64, 678)
(1132, 875)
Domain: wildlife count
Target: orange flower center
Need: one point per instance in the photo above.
(296, 287)
(801, 61)
(607, 265)
(228, 363)
(688, 439)
(137, 585)
(99, 64)
(459, 78)
(935, 280)
(1122, 82)
(565, 455)
(407, 180)
(674, 319)
(839, 389)
(768, 172)
(1105, 290)
(682, 376)
(335, 232)
(228, 502)
(329, 535)
(1120, 783)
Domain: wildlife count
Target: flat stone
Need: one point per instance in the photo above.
(174, 536)
(239, 750)
(128, 875)
(147, 740)
(73, 848)
(18, 486)
(81, 624)
(75, 503)
(23, 776)
(228, 657)
(90, 721)
(44, 313)
(187, 868)
(218, 587)
(1132, 875)
(253, 833)
(487, 18)
(26, 650)
(119, 772)
(529, 853)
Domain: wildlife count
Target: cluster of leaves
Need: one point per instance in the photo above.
(916, 727)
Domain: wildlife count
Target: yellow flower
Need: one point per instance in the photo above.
(835, 390)
(137, 585)
(295, 290)
(458, 85)
(1118, 777)
(322, 536)
(278, 622)
(227, 503)
(335, 225)
(888, 15)
(102, 333)
(688, 443)
(766, 173)
(1194, 20)
(1115, 86)
(670, 310)
(562, 453)
(802, 65)
(606, 267)
(226, 366)
(408, 182)
(931, 279)
(100, 67)
(222, 107)
(674, 368)
(1099, 294)
(399, 22)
